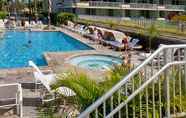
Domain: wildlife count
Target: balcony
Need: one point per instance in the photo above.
(120, 5)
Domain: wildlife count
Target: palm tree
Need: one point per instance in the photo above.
(3, 4)
(35, 9)
(49, 13)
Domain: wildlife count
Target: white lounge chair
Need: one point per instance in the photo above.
(27, 25)
(47, 80)
(2, 24)
(81, 30)
(134, 44)
(10, 96)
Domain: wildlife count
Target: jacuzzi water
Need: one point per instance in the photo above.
(17, 48)
(95, 61)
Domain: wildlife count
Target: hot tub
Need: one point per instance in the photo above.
(96, 62)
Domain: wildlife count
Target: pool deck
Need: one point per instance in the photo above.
(59, 62)
(56, 62)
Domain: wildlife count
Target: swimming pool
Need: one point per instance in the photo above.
(96, 62)
(17, 48)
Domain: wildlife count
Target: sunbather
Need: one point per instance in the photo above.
(99, 35)
(125, 43)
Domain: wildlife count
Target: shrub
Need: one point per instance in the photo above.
(3, 14)
(152, 33)
(88, 90)
(63, 17)
(179, 18)
(111, 23)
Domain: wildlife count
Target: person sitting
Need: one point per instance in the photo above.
(99, 35)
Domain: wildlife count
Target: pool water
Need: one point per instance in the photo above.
(17, 48)
(96, 61)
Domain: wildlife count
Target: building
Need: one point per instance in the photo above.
(122, 8)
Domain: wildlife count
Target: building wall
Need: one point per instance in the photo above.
(175, 2)
(126, 13)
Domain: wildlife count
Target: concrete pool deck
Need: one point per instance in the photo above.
(59, 62)
(56, 63)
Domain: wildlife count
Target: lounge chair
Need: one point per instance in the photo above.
(39, 24)
(114, 44)
(82, 30)
(119, 36)
(11, 96)
(134, 44)
(79, 28)
(92, 35)
(33, 24)
(27, 25)
(2, 24)
(47, 80)
(70, 26)
(110, 39)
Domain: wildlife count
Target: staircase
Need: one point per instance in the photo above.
(154, 89)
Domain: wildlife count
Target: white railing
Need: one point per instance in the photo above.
(156, 88)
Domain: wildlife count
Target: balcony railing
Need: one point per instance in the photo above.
(104, 4)
(121, 5)
(144, 6)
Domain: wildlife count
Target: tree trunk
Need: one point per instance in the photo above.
(49, 13)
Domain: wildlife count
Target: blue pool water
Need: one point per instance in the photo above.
(17, 48)
(95, 61)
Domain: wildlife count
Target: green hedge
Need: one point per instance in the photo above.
(3, 14)
(63, 17)
(179, 18)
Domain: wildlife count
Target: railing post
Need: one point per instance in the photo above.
(167, 59)
(184, 71)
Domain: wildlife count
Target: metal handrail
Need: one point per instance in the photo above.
(142, 87)
(114, 89)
